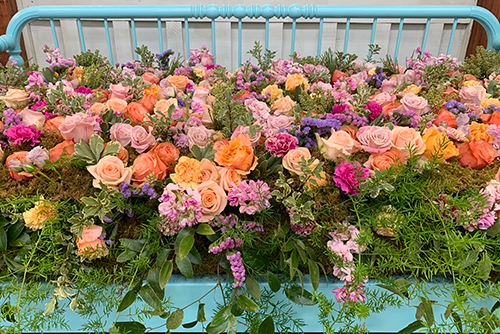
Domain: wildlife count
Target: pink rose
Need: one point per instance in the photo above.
(141, 140)
(384, 98)
(245, 130)
(404, 139)
(209, 171)
(338, 146)
(228, 175)
(199, 135)
(258, 108)
(274, 123)
(151, 78)
(200, 95)
(293, 157)
(119, 92)
(213, 200)
(111, 171)
(413, 102)
(35, 118)
(375, 139)
(474, 94)
(412, 77)
(120, 132)
(79, 127)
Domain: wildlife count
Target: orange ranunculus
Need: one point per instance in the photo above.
(238, 153)
(446, 116)
(137, 112)
(438, 144)
(167, 152)
(187, 172)
(148, 101)
(177, 81)
(148, 166)
(390, 106)
(21, 156)
(338, 75)
(66, 148)
(91, 245)
(386, 159)
(295, 80)
(493, 118)
(478, 131)
(152, 90)
(477, 154)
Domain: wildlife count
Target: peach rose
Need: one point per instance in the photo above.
(238, 154)
(338, 146)
(352, 130)
(389, 107)
(54, 123)
(478, 131)
(474, 94)
(273, 91)
(493, 118)
(167, 152)
(412, 102)
(151, 78)
(97, 108)
(293, 157)
(20, 156)
(148, 101)
(36, 217)
(119, 106)
(284, 105)
(187, 172)
(383, 98)
(228, 175)
(164, 105)
(406, 139)
(438, 144)
(111, 171)
(137, 112)
(375, 139)
(35, 118)
(477, 154)
(209, 171)
(91, 245)
(295, 80)
(385, 160)
(148, 167)
(119, 92)
(447, 117)
(213, 200)
(15, 98)
(66, 149)
(177, 81)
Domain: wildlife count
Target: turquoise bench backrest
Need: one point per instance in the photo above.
(10, 42)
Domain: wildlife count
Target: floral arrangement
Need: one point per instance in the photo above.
(326, 166)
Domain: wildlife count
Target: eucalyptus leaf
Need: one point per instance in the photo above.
(267, 326)
(253, 287)
(127, 300)
(247, 304)
(175, 319)
(314, 274)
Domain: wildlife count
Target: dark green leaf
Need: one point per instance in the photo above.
(392, 289)
(267, 326)
(247, 304)
(8, 312)
(21, 240)
(3, 222)
(495, 307)
(314, 273)
(253, 287)
(412, 327)
(126, 256)
(274, 282)
(185, 246)
(132, 244)
(187, 231)
(205, 229)
(428, 311)
(175, 319)
(127, 300)
(458, 322)
(13, 265)
(166, 273)
(153, 280)
(201, 313)
(129, 327)
(3, 240)
(14, 231)
(299, 296)
(494, 230)
(162, 257)
(184, 266)
(449, 309)
(221, 316)
(194, 256)
(190, 324)
(232, 325)
(149, 296)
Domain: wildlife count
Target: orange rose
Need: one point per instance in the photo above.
(66, 148)
(21, 156)
(152, 90)
(147, 166)
(295, 80)
(274, 92)
(111, 171)
(209, 171)
(493, 118)
(187, 172)
(151, 78)
(389, 107)
(97, 108)
(137, 112)
(54, 123)
(447, 117)
(91, 245)
(385, 160)
(439, 145)
(149, 101)
(285, 105)
(478, 131)
(167, 152)
(228, 175)
(117, 105)
(238, 154)
(477, 154)
(404, 139)
(213, 200)
(177, 81)
(338, 75)
(352, 130)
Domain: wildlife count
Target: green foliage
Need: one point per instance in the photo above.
(89, 58)
(264, 59)
(481, 64)
(338, 60)
(147, 57)
(91, 153)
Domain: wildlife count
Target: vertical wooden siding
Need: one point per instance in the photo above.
(478, 35)
(7, 9)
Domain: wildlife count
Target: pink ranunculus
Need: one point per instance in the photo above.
(79, 127)
(120, 132)
(474, 94)
(384, 98)
(141, 140)
(375, 139)
(245, 130)
(119, 92)
(413, 102)
(199, 135)
(35, 118)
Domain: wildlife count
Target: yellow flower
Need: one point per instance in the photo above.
(35, 218)
(478, 131)
(438, 143)
(412, 89)
(486, 102)
(471, 83)
(274, 92)
(199, 72)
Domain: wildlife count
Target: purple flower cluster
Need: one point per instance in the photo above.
(202, 56)
(405, 118)
(281, 143)
(251, 196)
(376, 79)
(163, 59)
(237, 268)
(231, 222)
(20, 133)
(248, 76)
(455, 107)
(11, 118)
(349, 175)
(55, 59)
(229, 243)
(348, 117)
(491, 108)
(310, 126)
(179, 208)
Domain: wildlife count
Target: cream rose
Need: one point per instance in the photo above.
(111, 171)
(35, 118)
(404, 139)
(293, 157)
(213, 200)
(15, 98)
(338, 146)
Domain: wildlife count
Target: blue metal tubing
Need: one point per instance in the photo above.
(11, 40)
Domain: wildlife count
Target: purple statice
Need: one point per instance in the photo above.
(407, 118)
(455, 107)
(21, 133)
(375, 110)
(147, 190)
(251, 196)
(125, 189)
(11, 118)
(106, 219)
(310, 127)
(350, 117)
(237, 268)
(228, 243)
(349, 175)
(179, 208)
(377, 78)
(163, 59)
(491, 108)
(248, 76)
(281, 143)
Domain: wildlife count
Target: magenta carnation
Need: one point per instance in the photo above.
(21, 133)
(281, 143)
(349, 175)
(375, 110)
